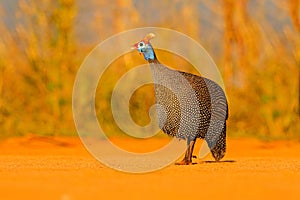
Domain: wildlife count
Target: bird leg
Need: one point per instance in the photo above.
(188, 154)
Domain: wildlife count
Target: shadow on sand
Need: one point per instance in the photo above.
(221, 161)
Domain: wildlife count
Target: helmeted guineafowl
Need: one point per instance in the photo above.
(189, 106)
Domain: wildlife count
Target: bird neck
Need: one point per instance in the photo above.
(153, 61)
(150, 55)
(157, 69)
(148, 52)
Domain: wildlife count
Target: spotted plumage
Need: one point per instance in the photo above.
(188, 106)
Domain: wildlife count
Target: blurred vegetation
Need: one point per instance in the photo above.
(256, 45)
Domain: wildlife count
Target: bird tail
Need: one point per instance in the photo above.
(217, 142)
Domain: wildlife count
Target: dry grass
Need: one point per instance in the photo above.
(259, 62)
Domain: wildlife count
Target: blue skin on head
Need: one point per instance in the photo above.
(147, 50)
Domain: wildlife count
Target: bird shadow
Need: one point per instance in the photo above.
(221, 161)
(211, 161)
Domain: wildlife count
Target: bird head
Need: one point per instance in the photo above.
(145, 48)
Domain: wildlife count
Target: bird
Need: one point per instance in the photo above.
(188, 106)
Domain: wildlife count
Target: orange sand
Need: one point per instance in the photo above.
(61, 168)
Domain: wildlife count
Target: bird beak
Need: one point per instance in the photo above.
(135, 46)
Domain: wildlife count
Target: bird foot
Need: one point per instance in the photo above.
(184, 162)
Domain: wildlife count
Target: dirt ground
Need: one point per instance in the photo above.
(61, 168)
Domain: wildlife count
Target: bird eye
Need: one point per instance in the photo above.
(141, 44)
